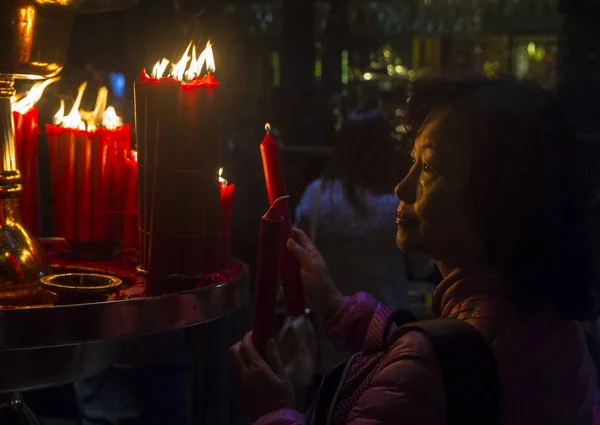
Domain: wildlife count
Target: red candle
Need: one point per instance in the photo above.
(290, 271)
(130, 183)
(267, 276)
(26, 145)
(61, 143)
(27, 131)
(226, 208)
(83, 187)
(101, 186)
(178, 144)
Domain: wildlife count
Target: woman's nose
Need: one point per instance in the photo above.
(406, 190)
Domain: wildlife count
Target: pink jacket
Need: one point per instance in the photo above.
(546, 373)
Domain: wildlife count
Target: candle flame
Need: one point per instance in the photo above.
(160, 68)
(268, 127)
(23, 102)
(81, 119)
(180, 67)
(221, 179)
(189, 66)
(110, 119)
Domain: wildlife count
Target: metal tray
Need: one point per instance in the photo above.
(45, 346)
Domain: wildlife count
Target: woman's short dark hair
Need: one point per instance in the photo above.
(363, 157)
(529, 190)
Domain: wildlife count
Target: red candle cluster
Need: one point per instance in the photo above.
(177, 136)
(93, 172)
(292, 284)
(88, 174)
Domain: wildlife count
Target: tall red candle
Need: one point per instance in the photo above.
(101, 186)
(62, 143)
(27, 132)
(292, 284)
(83, 187)
(267, 276)
(130, 213)
(226, 208)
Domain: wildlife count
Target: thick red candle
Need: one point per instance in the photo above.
(226, 208)
(292, 284)
(101, 186)
(62, 143)
(130, 213)
(27, 132)
(83, 187)
(267, 277)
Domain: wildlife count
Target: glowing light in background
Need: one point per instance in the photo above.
(345, 68)
(117, 84)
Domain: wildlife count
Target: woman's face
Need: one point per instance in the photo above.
(433, 215)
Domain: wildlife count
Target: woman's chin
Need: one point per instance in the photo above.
(408, 242)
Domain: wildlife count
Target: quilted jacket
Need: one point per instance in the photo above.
(546, 373)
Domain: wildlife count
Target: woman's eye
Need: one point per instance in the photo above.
(427, 167)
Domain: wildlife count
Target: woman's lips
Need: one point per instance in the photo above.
(403, 220)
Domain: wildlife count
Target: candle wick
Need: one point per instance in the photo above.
(279, 199)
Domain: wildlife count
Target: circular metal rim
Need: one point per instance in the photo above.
(50, 326)
(49, 282)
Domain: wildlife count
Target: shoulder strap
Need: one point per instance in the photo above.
(468, 368)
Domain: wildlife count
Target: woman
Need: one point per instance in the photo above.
(497, 196)
(346, 213)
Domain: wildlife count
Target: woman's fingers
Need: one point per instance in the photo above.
(299, 252)
(303, 239)
(236, 357)
(248, 352)
(273, 358)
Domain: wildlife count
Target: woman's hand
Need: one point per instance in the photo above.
(262, 385)
(318, 285)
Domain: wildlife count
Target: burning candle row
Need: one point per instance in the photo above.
(92, 171)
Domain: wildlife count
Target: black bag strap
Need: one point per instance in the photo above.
(468, 368)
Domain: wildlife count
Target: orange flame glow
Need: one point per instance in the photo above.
(80, 119)
(22, 103)
(189, 66)
(221, 179)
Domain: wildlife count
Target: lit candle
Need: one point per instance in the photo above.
(87, 152)
(130, 216)
(226, 208)
(177, 135)
(290, 269)
(27, 131)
